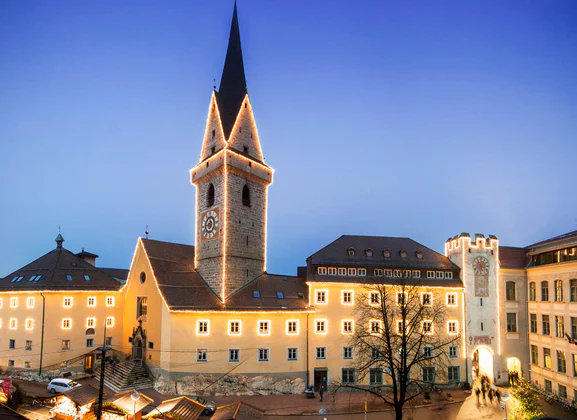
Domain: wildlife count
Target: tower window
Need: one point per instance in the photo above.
(245, 149)
(210, 196)
(213, 133)
(245, 196)
(213, 150)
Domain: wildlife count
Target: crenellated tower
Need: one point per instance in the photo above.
(479, 262)
(231, 183)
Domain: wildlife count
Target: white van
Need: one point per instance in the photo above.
(61, 385)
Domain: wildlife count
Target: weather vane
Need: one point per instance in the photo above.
(146, 232)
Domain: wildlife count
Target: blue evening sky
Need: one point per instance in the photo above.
(398, 118)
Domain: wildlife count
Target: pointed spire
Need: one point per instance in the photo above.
(232, 88)
(59, 239)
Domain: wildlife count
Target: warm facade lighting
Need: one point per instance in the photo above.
(235, 327)
(292, 327)
(67, 302)
(321, 326)
(90, 322)
(67, 323)
(30, 302)
(348, 326)
(321, 297)
(109, 321)
(109, 301)
(203, 327)
(263, 328)
(13, 323)
(14, 302)
(348, 297)
(91, 301)
(29, 324)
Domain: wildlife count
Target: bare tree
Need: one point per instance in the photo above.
(400, 341)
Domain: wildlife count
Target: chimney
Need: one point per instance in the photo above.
(89, 257)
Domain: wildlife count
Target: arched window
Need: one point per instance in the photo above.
(245, 196)
(544, 291)
(210, 196)
(90, 331)
(558, 290)
(510, 292)
(351, 252)
(532, 291)
(369, 252)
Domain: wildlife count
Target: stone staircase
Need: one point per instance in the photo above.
(125, 375)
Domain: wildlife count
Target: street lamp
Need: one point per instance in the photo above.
(135, 397)
(505, 398)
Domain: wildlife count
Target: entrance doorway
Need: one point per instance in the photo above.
(514, 365)
(482, 363)
(137, 349)
(320, 378)
(88, 361)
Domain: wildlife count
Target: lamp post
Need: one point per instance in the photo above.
(135, 397)
(505, 398)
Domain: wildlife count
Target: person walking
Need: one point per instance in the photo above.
(484, 392)
(477, 393)
(321, 393)
(498, 396)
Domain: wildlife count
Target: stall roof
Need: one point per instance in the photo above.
(125, 402)
(82, 395)
(182, 408)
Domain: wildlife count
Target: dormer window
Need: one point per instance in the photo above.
(255, 294)
(403, 254)
(351, 252)
(419, 254)
(387, 253)
(279, 295)
(369, 252)
(210, 196)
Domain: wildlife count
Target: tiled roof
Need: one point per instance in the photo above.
(564, 236)
(54, 267)
(125, 402)
(9, 414)
(513, 257)
(119, 274)
(182, 408)
(336, 253)
(238, 411)
(184, 289)
(83, 394)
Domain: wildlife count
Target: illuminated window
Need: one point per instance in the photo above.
(402, 298)
(90, 322)
(321, 353)
(430, 274)
(374, 298)
(375, 327)
(109, 300)
(558, 290)
(202, 328)
(452, 327)
(292, 327)
(347, 353)
(141, 306)
(352, 272)
(532, 291)
(263, 355)
(91, 302)
(64, 364)
(13, 302)
(347, 297)
(67, 323)
(321, 326)
(0, 322)
(30, 302)
(27, 365)
(29, 324)
(65, 345)
(234, 327)
(322, 271)
(234, 355)
(110, 321)
(202, 355)
(292, 353)
(427, 327)
(332, 271)
(108, 341)
(28, 346)
(321, 296)
(451, 299)
(546, 358)
(348, 326)
(559, 327)
(427, 299)
(67, 302)
(13, 323)
(1, 302)
(342, 271)
(264, 328)
(416, 274)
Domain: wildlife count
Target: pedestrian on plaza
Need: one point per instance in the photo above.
(510, 380)
(490, 395)
(497, 396)
(477, 393)
(516, 376)
(484, 392)
(321, 393)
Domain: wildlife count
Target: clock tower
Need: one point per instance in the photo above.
(231, 181)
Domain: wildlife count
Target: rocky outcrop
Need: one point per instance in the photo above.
(229, 385)
(47, 376)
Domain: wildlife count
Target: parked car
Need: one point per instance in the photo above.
(61, 385)
(210, 406)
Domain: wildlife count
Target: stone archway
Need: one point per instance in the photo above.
(137, 349)
(514, 365)
(138, 342)
(483, 362)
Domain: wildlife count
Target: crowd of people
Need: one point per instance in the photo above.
(513, 377)
(484, 388)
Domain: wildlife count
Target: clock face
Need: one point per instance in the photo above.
(210, 224)
(481, 265)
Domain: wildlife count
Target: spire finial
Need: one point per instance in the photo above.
(59, 239)
(146, 232)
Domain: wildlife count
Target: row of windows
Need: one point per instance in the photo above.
(351, 252)
(64, 344)
(552, 257)
(561, 389)
(428, 374)
(382, 272)
(66, 301)
(66, 323)
(347, 298)
(546, 325)
(558, 295)
(546, 360)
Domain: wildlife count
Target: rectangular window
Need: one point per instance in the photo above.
(109, 300)
(574, 365)
(427, 299)
(562, 391)
(452, 327)
(1, 302)
(376, 376)
(342, 271)
(427, 327)
(558, 290)
(29, 324)
(533, 323)
(574, 328)
(234, 327)
(90, 322)
(430, 274)
(321, 327)
(348, 375)
(348, 326)
(13, 302)
(321, 352)
(532, 291)
(548, 385)
(397, 273)
(400, 328)
(108, 341)
(64, 364)
(546, 358)
(10, 363)
(332, 271)
(534, 355)
(545, 325)
(428, 352)
(407, 273)
(109, 321)
(559, 327)
(511, 322)
(150, 345)
(67, 323)
(451, 299)
(234, 355)
(65, 345)
(90, 342)
(347, 353)
(292, 327)
(376, 353)
(263, 355)
(292, 354)
(401, 298)
(510, 292)
(202, 328)
(201, 355)
(352, 272)
(321, 296)
(454, 373)
(30, 302)
(453, 352)
(375, 327)
(27, 365)
(428, 374)
(573, 291)
(378, 272)
(67, 302)
(448, 274)
(91, 302)
(374, 298)
(322, 271)
(561, 362)
(439, 274)
(12, 344)
(28, 345)
(347, 297)
(141, 306)
(544, 291)
(362, 271)
(417, 274)
(388, 273)
(264, 328)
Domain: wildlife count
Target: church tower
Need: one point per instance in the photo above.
(231, 183)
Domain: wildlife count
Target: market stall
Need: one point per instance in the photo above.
(76, 404)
